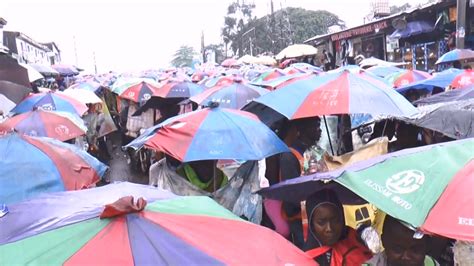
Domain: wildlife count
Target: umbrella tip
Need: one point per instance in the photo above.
(213, 105)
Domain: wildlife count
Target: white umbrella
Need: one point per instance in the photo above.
(372, 61)
(84, 96)
(247, 59)
(33, 74)
(297, 50)
(265, 60)
(6, 104)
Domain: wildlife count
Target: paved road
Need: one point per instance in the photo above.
(119, 169)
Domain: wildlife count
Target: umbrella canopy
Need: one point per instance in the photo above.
(139, 92)
(456, 55)
(212, 134)
(372, 61)
(178, 89)
(13, 72)
(30, 166)
(247, 59)
(66, 70)
(335, 93)
(89, 85)
(441, 79)
(465, 78)
(51, 102)
(413, 28)
(406, 77)
(168, 230)
(6, 104)
(411, 183)
(383, 71)
(296, 50)
(307, 67)
(58, 125)
(45, 70)
(448, 96)
(234, 95)
(269, 75)
(83, 96)
(15, 92)
(265, 60)
(33, 74)
(453, 119)
(230, 62)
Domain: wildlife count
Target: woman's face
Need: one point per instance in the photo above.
(327, 224)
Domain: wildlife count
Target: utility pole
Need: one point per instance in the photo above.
(95, 63)
(460, 23)
(75, 49)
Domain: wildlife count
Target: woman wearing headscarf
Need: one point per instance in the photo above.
(330, 242)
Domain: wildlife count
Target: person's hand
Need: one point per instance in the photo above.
(371, 239)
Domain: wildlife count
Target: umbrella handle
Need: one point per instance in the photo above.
(329, 136)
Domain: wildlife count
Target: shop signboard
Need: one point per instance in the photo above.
(348, 34)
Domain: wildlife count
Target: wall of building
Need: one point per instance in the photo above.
(28, 53)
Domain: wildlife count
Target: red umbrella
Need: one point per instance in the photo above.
(464, 79)
(409, 76)
(230, 62)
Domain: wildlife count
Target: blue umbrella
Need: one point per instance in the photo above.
(212, 134)
(456, 55)
(383, 71)
(441, 80)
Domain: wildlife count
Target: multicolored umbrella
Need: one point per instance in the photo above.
(211, 134)
(30, 166)
(169, 230)
(335, 93)
(139, 92)
(51, 102)
(178, 89)
(428, 187)
(234, 95)
(89, 85)
(456, 55)
(406, 77)
(384, 71)
(464, 79)
(57, 125)
(442, 80)
(269, 75)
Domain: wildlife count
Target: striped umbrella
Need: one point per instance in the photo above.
(456, 55)
(51, 102)
(170, 230)
(30, 166)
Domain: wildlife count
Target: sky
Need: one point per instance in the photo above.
(131, 35)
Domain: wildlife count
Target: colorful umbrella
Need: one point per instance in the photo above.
(406, 77)
(442, 80)
(412, 183)
(211, 134)
(30, 166)
(234, 95)
(171, 230)
(51, 102)
(269, 75)
(230, 62)
(89, 85)
(296, 50)
(335, 93)
(383, 71)
(139, 92)
(178, 89)
(456, 55)
(57, 125)
(464, 79)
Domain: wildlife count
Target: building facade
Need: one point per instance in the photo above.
(417, 37)
(28, 51)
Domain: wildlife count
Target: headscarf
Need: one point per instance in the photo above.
(317, 199)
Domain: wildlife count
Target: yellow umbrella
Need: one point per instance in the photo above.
(297, 50)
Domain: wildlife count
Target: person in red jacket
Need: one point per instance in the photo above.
(330, 242)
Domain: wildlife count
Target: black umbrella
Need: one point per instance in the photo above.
(11, 71)
(15, 92)
(448, 96)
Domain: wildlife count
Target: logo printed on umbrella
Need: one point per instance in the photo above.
(46, 107)
(62, 130)
(33, 133)
(464, 81)
(131, 94)
(146, 97)
(405, 182)
(404, 82)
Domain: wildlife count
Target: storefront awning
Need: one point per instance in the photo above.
(413, 28)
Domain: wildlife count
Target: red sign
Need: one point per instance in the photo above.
(359, 31)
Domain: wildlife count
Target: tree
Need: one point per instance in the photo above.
(238, 16)
(303, 24)
(398, 9)
(183, 56)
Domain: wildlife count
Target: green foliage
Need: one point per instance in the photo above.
(183, 56)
